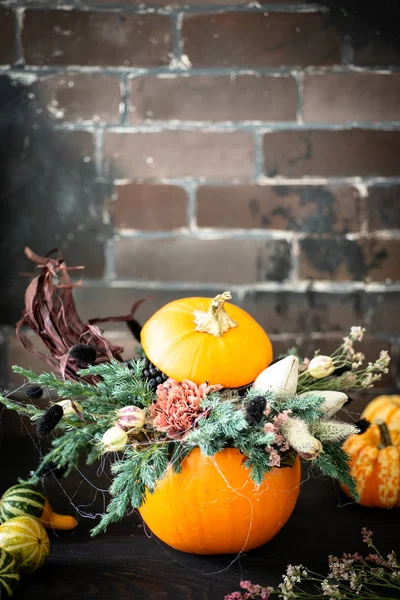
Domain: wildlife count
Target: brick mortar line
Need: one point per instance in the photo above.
(215, 233)
(98, 153)
(347, 50)
(177, 39)
(299, 77)
(207, 234)
(298, 287)
(376, 234)
(19, 25)
(109, 260)
(371, 181)
(284, 336)
(125, 100)
(174, 10)
(259, 127)
(295, 259)
(258, 162)
(136, 71)
(191, 210)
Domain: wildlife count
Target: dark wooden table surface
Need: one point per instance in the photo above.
(127, 563)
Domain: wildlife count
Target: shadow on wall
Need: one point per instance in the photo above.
(48, 193)
(373, 26)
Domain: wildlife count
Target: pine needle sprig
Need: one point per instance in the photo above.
(333, 462)
(125, 386)
(223, 423)
(251, 444)
(65, 389)
(306, 407)
(178, 451)
(134, 473)
(22, 408)
(67, 451)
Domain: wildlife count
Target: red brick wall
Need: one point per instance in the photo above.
(242, 146)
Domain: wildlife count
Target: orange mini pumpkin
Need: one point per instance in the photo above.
(375, 466)
(205, 339)
(386, 408)
(213, 507)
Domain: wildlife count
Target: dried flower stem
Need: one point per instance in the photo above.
(350, 577)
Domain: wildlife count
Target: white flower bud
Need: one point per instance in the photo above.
(333, 400)
(321, 366)
(131, 418)
(298, 435)
(68, 407)
(280, 378)
(115, 439)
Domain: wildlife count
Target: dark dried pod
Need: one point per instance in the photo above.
(34, 392)
(135, 328)
(255, 409)
(49, 421)
(341, 371)
(83, 355)
(51, 468)
(362, 425)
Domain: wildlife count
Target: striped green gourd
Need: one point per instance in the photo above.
(21, 500)
(27, 541)
(9, 578)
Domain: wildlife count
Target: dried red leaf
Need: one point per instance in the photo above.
(50, 312)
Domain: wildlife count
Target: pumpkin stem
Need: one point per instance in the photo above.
(386, 440)
(215, 321)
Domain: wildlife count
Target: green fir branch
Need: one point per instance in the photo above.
(222, 423)
(178, 452)
(305, 407)
(252, 445)
(136, 473)
(65, 389)
(23, 408)
(335, 463)
(258, 463)
(123, 385)
(68, 450)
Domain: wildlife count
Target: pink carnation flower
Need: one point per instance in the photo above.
(178, 406)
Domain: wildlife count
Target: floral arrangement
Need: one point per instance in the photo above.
(350, 576)
(148, 422)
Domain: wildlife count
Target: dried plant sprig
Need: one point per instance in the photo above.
(350, 577)
(348, 371)
(51, 313)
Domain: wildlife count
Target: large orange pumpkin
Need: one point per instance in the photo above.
(386, 408)
(205, 339)
(375, 466)
(213, 507)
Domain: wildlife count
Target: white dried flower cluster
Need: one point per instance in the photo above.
(357, 360)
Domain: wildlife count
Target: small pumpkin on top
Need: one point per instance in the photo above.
(205, 339)
(22, 499)
(375, 466)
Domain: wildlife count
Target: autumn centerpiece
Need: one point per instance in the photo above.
(205, 432)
